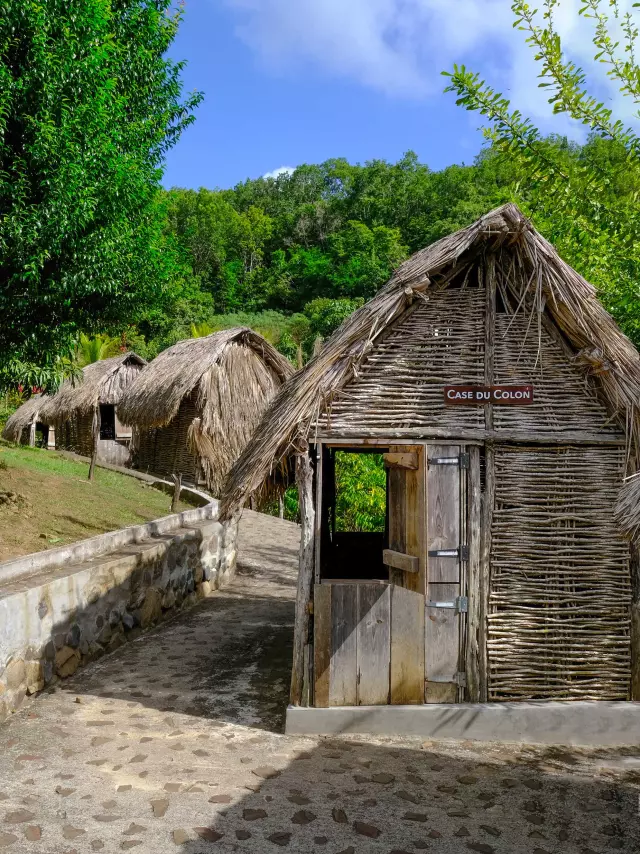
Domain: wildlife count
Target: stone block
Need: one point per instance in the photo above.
(169, 599)
(15, 674)
(67, 661)
(73, 636)
(151, 610)
(128, 621)
(205, 589)
(34, 676)
(198, 573)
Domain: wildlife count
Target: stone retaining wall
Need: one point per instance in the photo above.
(64, 610)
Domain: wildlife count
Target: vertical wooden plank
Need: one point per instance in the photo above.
(373, 644)
(321, 643)
(397, 512)
(320, 511)
(415, 520)
(473, 579)
(343, 668)
(485, 569)
(407, 647)
(443, 514)
(442, 635)
(304, 478)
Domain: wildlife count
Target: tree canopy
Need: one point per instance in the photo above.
(89, 104)
(583, 198)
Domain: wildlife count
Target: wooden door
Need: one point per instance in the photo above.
(446, 556)
(406, 559)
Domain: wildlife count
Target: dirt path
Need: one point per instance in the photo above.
(175, 744)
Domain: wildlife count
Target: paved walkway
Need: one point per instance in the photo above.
(174, 744)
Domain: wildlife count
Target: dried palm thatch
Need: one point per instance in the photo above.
(531, 277)
(23, 417)
(230, 377)
(628, 508)
(101, 382)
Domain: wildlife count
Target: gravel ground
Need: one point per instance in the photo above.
(175, 744)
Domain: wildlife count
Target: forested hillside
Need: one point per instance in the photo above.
(293, 256)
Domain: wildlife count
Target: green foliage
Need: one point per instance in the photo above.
(89, 104)
(93, 349)
(361, 484)
(585, 199)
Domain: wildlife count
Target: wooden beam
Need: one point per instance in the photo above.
(472, 663)
(386, 437)
(304, 479)
(401, 460)
(399, 560)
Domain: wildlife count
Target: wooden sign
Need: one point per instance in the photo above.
(498, 395)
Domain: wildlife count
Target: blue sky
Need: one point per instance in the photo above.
(299, 81)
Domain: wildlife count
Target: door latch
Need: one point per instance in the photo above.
(460, 604)
(462, 553)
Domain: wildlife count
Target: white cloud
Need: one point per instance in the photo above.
(281, 170)
(399, 47)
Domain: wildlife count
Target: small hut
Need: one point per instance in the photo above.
(502, 401)
(194, 408)
(85, 412)
(25, 426)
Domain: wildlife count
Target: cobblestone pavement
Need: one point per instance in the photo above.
(174, 744)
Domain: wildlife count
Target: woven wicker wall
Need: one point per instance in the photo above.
(76, 435)
(401, 383)
(560, 589)
(163, 451)
(563, 398)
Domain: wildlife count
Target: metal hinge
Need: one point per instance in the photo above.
(460, 604)
(463, 461)
(462, 553)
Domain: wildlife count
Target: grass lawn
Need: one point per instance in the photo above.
(55, 504)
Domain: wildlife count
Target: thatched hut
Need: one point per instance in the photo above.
(25, 426)
(196, 405)
(86, 413)
(503, 402)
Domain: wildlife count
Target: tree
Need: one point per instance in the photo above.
(585, 200)
(89, 105)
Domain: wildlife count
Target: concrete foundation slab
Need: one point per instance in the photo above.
(570, 723)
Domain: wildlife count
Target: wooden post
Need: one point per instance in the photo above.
(635, 623)
(489, 334)
(304, 479)
(474, 592)
(485, 571)
(281, 507)
(32, 434)
(177, 488)
(95, 431)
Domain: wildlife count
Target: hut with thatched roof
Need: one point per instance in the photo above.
(25, 426)
(502, 400)
(85, 411)
(194, 408)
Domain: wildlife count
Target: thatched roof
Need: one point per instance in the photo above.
(628, 508)
(23, 417)
(231, 376)
(101, 382)
(543, 282)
